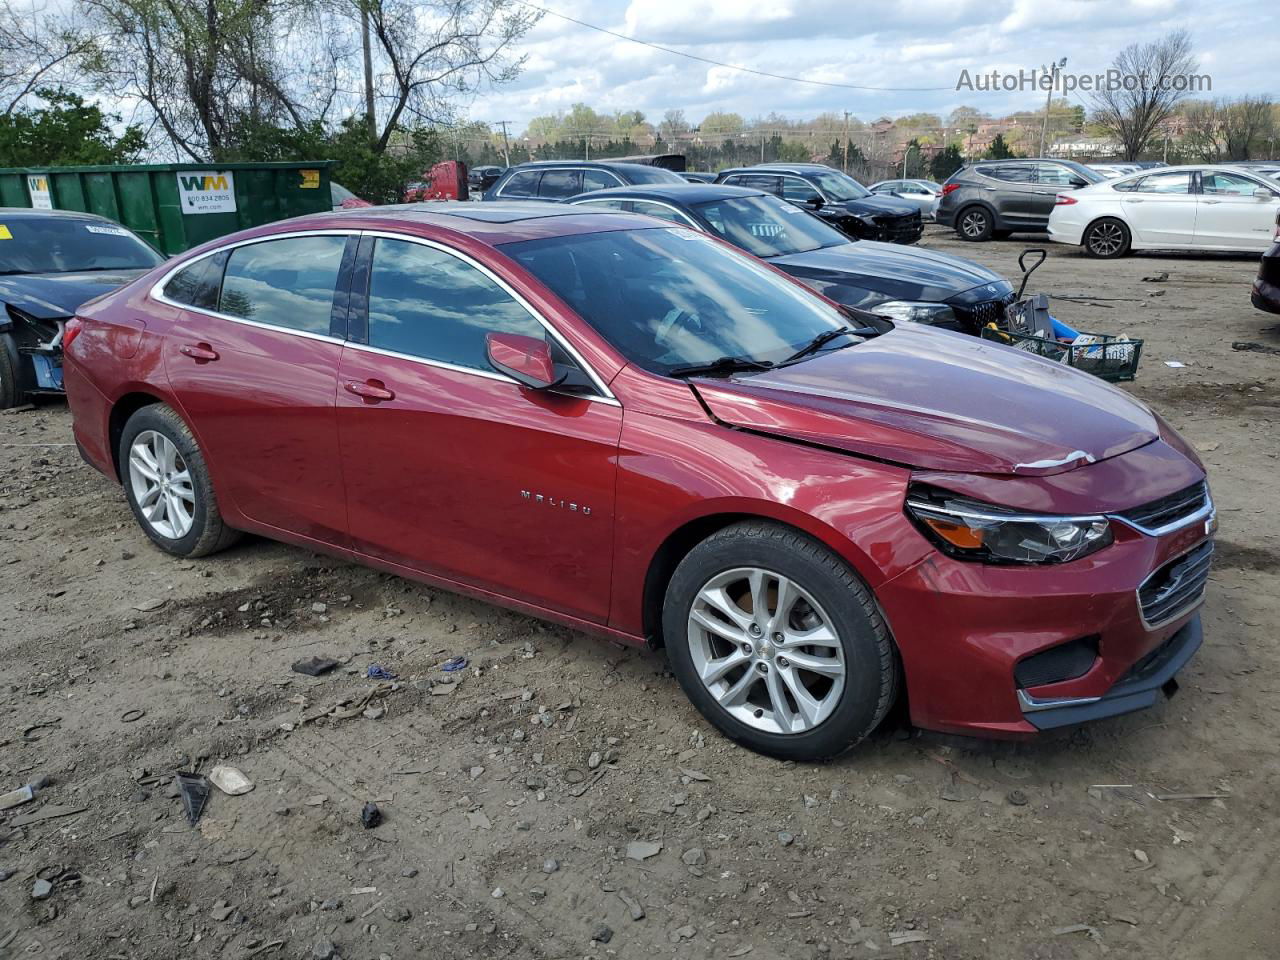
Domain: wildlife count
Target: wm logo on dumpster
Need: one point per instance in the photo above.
(204, 183)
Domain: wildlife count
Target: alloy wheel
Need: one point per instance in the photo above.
(766, 651)
(973, 224)
(1106, 239)
(162, 485)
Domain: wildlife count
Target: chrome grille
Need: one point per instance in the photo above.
(1169, 510)
(1176, 587)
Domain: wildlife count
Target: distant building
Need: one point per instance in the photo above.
(1083, 146)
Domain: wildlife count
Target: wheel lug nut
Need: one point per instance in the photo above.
(784, 662)
(778, 638)
(746, 648)
(762, 667)
(754, 630)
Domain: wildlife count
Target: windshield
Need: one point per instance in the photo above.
(667, 298)
(67, 245)
(767, 226)
(839, 186)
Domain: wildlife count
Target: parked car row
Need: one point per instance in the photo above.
(639, 429)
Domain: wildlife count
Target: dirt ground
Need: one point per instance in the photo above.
(513, 798)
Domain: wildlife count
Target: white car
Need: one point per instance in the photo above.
(923, 193)
(1113, 170)
(1206, 207)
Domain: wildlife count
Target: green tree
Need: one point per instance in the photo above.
(65, 131)
(946, 162)
(999, 150)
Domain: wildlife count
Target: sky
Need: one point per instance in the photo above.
(907, 43)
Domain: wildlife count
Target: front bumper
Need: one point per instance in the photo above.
(963, 628)
(1145, 683)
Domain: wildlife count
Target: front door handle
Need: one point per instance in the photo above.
(371, 391)
(1210, 201)
(1134, 200)
(199, 352)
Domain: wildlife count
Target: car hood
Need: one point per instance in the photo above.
(941, 401)
(890, 270)
(870, 206)
(47, 296)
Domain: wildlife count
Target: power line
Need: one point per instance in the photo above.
(720, 63)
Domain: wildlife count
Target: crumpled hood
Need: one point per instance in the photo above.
(870, 206)
(48, 296)
(890, 271)
(940, 401)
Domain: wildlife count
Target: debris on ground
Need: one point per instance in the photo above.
(41, 890)
(454, 664)
(1253, 347)
(370, 815)
(643, 849)
(230, 781)
(376, 672)
(602, 934)
(195, 794)
(314, 666)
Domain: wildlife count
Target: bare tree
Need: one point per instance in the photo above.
(1154, 79)
(38, 48)
(1247, 124)
(434, 51)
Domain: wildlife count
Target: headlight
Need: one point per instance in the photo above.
(915, 312)
(971, 530)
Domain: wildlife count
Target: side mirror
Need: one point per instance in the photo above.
(1077, 183)
(1262, 193)
(526, 360)
(816, 202)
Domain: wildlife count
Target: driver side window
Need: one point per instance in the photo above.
(798, 191)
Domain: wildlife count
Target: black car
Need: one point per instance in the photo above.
(481, 178)
(903, 283)
(994, 198)
(51, 262)
(1266, 289)
(561, 179)
(699, 176)
(834, 196)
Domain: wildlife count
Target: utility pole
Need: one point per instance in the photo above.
(846, 141)
(1048, 100)
(762, 146)
(506, 145)
(370, 116)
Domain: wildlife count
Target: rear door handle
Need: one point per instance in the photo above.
(371, 391)
(1134, 200)
(1210, 201)
(199, 352)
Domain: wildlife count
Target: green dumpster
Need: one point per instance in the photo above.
(176, 206)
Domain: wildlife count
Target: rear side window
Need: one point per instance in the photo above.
(285, 283)
(1011, 173)
(756, 182)
(558, 184)
(1177, 182)
(598, 180)
(197, 285)
(522, 184)
(426, 303)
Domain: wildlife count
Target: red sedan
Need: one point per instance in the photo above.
(633, 429)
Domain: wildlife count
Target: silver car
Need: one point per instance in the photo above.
(923, 193)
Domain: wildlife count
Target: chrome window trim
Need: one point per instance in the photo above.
(657, 203)
(157, 289)
(1189, 608)
(605, 393)
(157, 293)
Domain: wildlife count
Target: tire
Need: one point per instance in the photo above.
(187, 522)
(821, 591)
(11, 393)
(1106, 239)
(975, 224)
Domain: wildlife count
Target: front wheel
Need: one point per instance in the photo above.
(778, 643)
(167, 484)
(1107, 239)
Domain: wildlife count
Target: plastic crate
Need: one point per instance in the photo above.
(1113, 359)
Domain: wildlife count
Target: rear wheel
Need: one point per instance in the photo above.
(167, 484)
(974, 224)
(1107, 239)
(778, 643)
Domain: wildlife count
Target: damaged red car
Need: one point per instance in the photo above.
(636, 430)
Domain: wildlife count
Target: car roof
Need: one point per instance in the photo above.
(676, 192)
(494, 223)
(16, 213)
(784, 168)
(598, 164)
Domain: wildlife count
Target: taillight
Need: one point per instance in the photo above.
(948, 187)
(70, 330)
(1064, 200)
